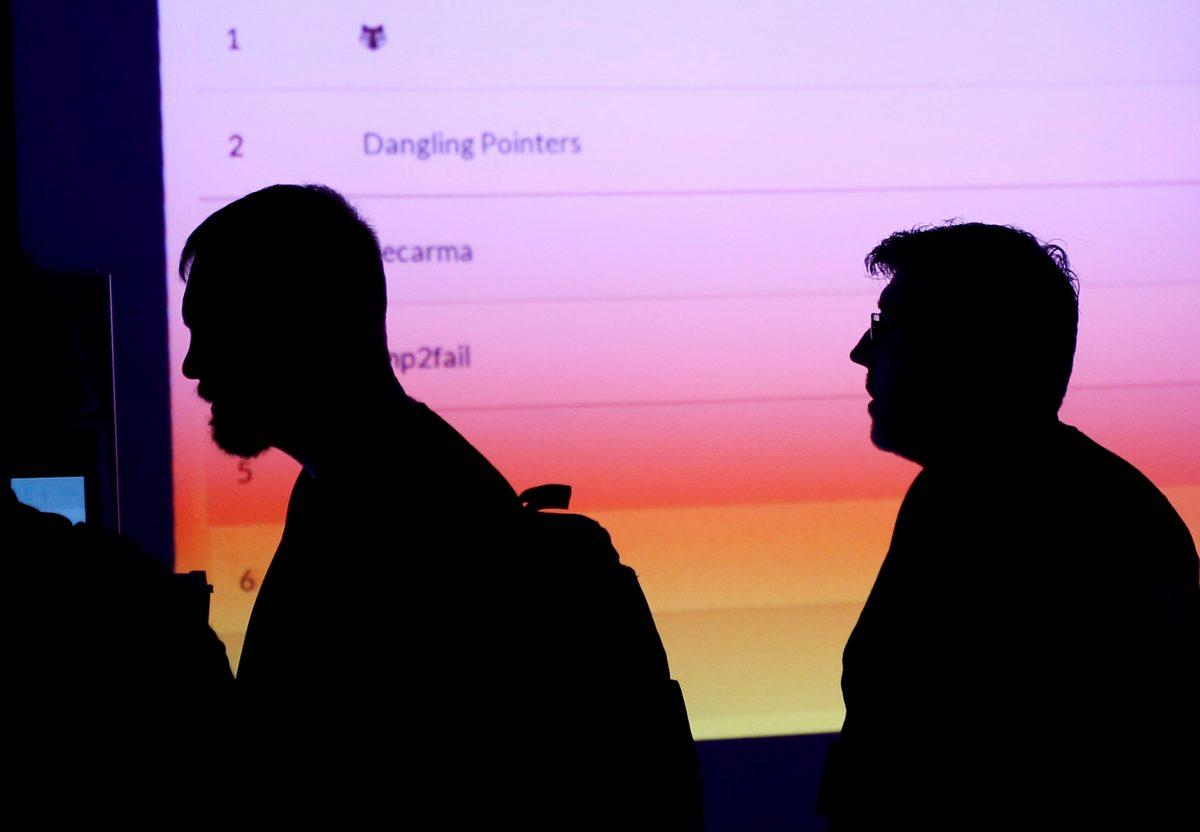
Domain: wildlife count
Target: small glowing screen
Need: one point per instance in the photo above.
(55, 495)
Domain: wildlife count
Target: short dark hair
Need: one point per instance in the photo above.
(302, 250)
(1020, 291)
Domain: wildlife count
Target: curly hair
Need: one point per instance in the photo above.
(1021, 294)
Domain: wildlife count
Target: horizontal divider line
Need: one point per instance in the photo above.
(764, 399)
(658, 403)
(808, 191)
(714, 88)
(831, 293)
(637, 298)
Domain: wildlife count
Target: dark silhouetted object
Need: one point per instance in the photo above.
(1028, 654)
(58, 418)
(415, 645)
(592, 659)
(110, 651)
(116, 687)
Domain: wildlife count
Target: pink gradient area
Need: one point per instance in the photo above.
(709, 453)
(789, 452)
(661, 396)
(696, 454)
(1151, 427)
(746, 246)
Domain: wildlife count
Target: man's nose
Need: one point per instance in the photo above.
(189, 364)
(861, 354)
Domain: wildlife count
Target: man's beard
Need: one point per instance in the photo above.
(883, 436)
(238, 436)
(891, 432)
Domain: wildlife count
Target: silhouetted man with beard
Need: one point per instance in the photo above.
(1029, 650)
(358, 676)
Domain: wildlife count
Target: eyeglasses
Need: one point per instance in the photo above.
(878, 327)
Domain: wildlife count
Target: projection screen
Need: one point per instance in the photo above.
(624, 246)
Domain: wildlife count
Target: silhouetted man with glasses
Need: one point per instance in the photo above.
(1029, 649)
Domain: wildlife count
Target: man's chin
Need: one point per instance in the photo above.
(886, 437)
(880, 436)
(238, 441)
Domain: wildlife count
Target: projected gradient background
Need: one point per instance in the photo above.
(659, 303)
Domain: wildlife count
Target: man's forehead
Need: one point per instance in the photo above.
(193, 291)
(189, 304)
(214, 282)
(890, 297)
(901, 292)
(199, 294)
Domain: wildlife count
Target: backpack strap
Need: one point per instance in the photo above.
(552, 495)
